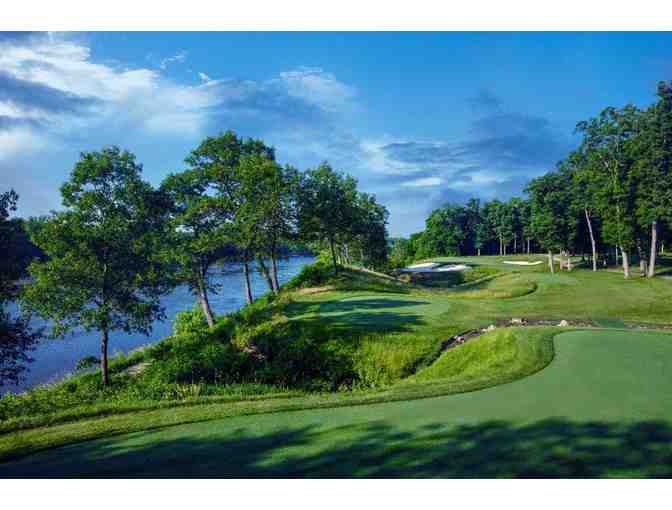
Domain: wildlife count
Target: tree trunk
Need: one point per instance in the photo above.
(592, 238)
(479, 252)
(569, 262)
(550, 261)
(274, 273)
(654, 241)
(515, 245)
(205, 303)
(333, 255)
(103, 357)
(265, 273)
(528, 245)
(626, 263)
(616, 253)
(248, 288)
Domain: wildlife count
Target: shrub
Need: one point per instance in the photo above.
(312, 275)
(87, 362)
(190, 321)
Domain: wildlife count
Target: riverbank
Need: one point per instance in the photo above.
(56, 359)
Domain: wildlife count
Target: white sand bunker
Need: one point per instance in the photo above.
(426, 267)
(522, 262)
(434, 267)
(457, 267)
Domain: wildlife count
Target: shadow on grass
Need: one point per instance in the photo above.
(550, 448)
(357, 315)
(354, 324)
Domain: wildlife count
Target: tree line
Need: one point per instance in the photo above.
(611, 197)
(119, 243)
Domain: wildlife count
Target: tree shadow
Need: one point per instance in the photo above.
(545, 449)
(356, 323)
(357, 315)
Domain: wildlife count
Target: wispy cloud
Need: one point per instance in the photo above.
(56, 99)
(178, 58)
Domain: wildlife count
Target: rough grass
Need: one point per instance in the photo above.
(503, 353)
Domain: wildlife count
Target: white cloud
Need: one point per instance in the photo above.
(178, 58)
(17, 140)
(204, 77)
(423, 182)
(140, 97)
(318, 87)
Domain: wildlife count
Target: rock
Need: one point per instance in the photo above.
(491, 327)
(563, 323)
(517, 321)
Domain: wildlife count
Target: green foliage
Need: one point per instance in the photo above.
(105, 269)
(311, 275)
(17, 339)
(190, 322)
(551, 223)
(87, 362)
(503, 352)
(333, 213)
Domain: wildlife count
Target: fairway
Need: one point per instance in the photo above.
(603, 407)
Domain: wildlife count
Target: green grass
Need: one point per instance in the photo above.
(376, 340)
(574, 418)
(506, 352)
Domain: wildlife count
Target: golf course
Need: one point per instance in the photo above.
(561, 375)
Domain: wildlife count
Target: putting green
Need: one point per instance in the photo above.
(602, 408)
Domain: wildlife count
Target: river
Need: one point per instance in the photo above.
(55, 358)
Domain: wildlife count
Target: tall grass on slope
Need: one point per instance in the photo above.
(494, 358)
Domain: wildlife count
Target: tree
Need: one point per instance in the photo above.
(653, 169)
(104, 270)
(279, 223)
(549, 201)
(199, 232)
(17, 339)
(369, 231)
(326, 200)
(525, 217)
(204, 205)
(258, 225)
(500, 218)
(446, 231)
(583, 193)
(607, 145)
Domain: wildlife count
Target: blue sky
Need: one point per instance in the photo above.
(419, 118)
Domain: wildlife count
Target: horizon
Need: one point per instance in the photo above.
(414, 130)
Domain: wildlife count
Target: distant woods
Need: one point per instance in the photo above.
(611, 198)
(119, 244)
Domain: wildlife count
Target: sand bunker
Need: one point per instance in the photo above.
(426, 267)
(522, 262)
(424, 264)
(458, 267)
(434, 267)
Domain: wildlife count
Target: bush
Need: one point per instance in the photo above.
(312, 275)
(190, 321)
(87, 362)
